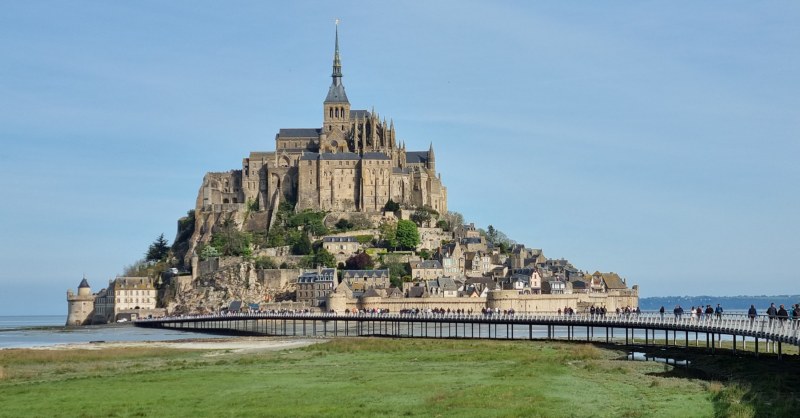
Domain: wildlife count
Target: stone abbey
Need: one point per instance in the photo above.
(352, 163)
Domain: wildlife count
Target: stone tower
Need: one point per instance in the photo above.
(80, 307)
(336, 109)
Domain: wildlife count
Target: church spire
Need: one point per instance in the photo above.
(336, 92)
(337, 62)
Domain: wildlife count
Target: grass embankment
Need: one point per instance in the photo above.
(373, 377)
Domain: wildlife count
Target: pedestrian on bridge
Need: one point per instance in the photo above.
(772, 312)
(752, 313)
(783, 315)
(661, 312)
(718, 311)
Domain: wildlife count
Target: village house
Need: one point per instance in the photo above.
(359, 281)
(426, 270)
(313, 287)
(342, 248)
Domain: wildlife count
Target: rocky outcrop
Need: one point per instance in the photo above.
(216, 289)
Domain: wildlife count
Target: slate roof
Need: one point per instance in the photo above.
(365, 273)
(613, 281)
(339, 239)
(83, 284)
(417, 157)
(313, 277)
(416, 292)
(329, 156)
(428, 264)
(336, 94)
(235, 306)
(299, 132)
(375, 156)
(359, 114)
(371, 293)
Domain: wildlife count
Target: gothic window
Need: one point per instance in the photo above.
(330, 111)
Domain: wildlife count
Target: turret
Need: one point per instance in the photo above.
(431, 159)
(80, 306)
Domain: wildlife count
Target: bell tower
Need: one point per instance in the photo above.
(336, 108)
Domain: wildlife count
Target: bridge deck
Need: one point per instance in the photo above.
(417, 325)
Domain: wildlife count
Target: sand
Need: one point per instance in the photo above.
(237, 345)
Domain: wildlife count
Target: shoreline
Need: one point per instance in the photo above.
(232, 344)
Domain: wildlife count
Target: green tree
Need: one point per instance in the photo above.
(389, 235)
(421, 216)
(491, 235)
(302, 246)
(324, 258)
(209, 251)
(344, 225)
(158, 250)
(443, 225)
(265, 262)
(391, 206)
(230, 241)
(407, 235)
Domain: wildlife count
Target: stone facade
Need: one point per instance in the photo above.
(127, 297)
(352, 163)
(80, 306)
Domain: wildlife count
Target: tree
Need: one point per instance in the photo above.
(323, 258)
(391, 206)
(443, 225)
(158, 250)
(344, 225)
(407, 235)
(229, 241)
(421, 217)
(455, 220)
(360, 261)
(491, 235)
(265, 262)
(424, 254)
(389, 235)
(302, 246)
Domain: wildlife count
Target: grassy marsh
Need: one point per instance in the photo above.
(384, 377)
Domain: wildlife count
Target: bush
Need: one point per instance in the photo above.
(364, 239)
(265, 262)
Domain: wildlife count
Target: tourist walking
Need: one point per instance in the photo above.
(678, 311)
(772, 312)
(752, 313)
(718, 311)
(661, 312)
(783, 315)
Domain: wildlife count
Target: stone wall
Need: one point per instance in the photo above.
(500, 300)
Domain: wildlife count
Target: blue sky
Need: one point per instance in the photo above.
(658, 140)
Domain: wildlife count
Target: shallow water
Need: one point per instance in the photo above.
(49, 330)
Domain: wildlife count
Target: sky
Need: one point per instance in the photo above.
(658, 140)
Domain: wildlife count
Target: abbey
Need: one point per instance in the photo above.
(352, 163)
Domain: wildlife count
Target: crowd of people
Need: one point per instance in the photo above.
(772, 313)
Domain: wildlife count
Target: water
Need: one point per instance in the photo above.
(640, 356)
(49, 330)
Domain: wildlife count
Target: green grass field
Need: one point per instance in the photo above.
(386, 377)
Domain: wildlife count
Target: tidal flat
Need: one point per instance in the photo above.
(385, 377)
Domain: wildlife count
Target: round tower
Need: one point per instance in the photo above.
(80, 306)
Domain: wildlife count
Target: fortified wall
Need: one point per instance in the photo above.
(497, 300)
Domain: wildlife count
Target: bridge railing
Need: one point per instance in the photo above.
(727, 323)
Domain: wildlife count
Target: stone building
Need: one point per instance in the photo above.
(313, 287)
(80, 306)
(353, 162)
(341, 247)
(126, 297)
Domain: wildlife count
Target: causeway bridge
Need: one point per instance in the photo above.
(764, 334)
